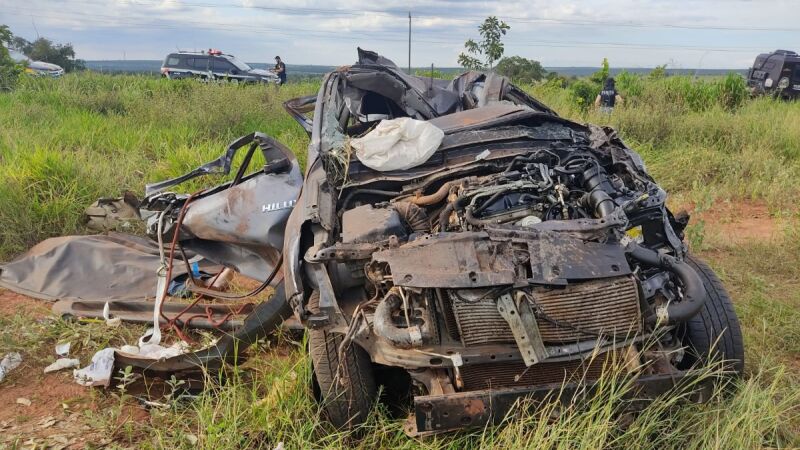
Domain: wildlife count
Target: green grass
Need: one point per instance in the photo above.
(64, 143)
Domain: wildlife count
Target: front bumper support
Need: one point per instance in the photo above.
(441, 413)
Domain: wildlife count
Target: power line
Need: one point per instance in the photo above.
(330, 35)
(296, 32)
(470, 18)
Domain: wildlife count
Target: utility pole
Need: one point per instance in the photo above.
(409, 42)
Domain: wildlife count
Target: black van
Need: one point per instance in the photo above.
(776, 73)
(213, 65)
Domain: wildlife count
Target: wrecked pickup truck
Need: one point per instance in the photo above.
(509, 263)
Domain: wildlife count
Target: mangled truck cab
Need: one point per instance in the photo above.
(525, 251)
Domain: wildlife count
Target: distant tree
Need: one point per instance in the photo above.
(658, 73)
(483, 54)
(520, 69)
(21, 45)
(601, 75)
(9, 69)
(557, 80)
(44, 49)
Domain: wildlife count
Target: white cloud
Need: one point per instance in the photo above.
(557, 33)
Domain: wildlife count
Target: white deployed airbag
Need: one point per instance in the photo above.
(398, 144)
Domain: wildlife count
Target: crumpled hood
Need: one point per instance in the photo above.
(263, 73)
(40, 65)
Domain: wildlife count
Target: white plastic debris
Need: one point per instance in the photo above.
(10, 362)
(23, 401)
(483, 155)
(62, 349)
(112, 322)
(398, 144)
(130, 349)
(61, 364)
(98, 373)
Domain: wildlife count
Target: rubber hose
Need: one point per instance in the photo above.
(444, 216)
(350, 196)
(384, 326)
(414, 216)
(436, 197)
(601, 203)
(694, 291)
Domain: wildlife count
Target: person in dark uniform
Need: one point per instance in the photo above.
(280, 69)
(608, 97)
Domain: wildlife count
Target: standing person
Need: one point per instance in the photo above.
(608, 97)
(280, 69)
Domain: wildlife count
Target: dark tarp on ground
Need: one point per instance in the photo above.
(100, 267)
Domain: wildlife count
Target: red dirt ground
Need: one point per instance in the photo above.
(741, 221)
(56, 417)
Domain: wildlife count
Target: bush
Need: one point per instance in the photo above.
(521, 70)
(9, 69)
(583, 93)
(732, 91)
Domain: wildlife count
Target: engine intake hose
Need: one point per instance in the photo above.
(436, 197)
(414, 216)
(384, 326)
(597, 187)
(694, 292)
(600, 203)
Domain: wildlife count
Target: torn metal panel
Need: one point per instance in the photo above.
(463, 260)
(522, 321)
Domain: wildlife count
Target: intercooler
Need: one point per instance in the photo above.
(513, 374)
(579, 311)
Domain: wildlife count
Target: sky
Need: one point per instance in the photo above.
(712, 34)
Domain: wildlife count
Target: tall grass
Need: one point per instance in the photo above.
(64, 143)
(274, 405)
(694, 139)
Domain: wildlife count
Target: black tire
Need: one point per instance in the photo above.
(714, 332)
(346, 401)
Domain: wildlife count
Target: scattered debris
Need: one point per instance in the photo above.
(47, 422)
(111, 322)
(62, 349)
(113, 213)
(98, 373)
(61, 364)
(10, 362)
(23, 401)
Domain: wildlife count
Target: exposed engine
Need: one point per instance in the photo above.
(537, 256)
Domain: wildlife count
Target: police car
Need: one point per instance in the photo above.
(776, 73)
(213, 65)
(37, 68)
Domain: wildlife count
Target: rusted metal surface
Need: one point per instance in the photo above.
(211, 316)
(462, 260)
(520, 318)
(516, 374)
(438, 413)
(475, 117)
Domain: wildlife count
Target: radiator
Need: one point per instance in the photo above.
(609, 306)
